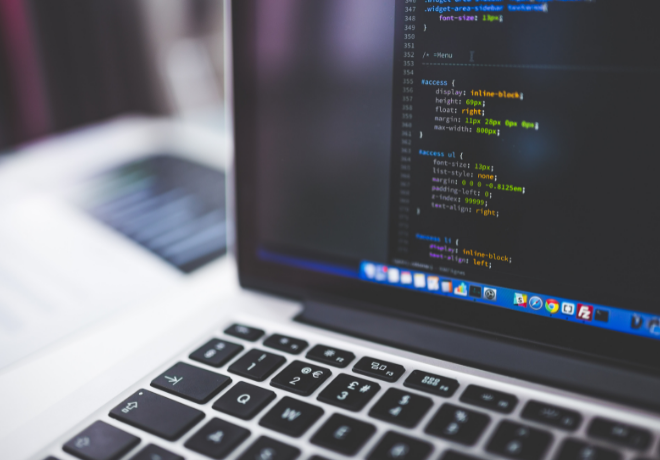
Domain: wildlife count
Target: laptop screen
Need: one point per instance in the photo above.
(463, 159)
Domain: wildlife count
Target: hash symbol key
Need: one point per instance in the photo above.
(349, 392)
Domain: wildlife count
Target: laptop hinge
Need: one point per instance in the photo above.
(514, 359)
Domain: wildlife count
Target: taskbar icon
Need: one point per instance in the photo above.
(520, 300)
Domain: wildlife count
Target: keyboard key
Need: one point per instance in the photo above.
(343, 434)
(453, 455)
(489, 399)
(572, 449)
(157, 415)
(401, 408)
(268, 449)
(517, 441)
(301, 378)
(217, 438)
(619, 433)
(190, 382)
(153, 452)
(244, 400)
(287, 344)
(216, 352)
(431, 383)
(101, 441)
(256, 365)
(552, 415)
(379, 369)
(291, 417)
(458, 424)
(317, 457)
(330, 356)
(244, 332)
(349, 392)
(50, 457)
(400, 447)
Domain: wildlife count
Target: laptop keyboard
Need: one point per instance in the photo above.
(321, 410)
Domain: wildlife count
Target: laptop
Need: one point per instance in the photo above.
(446, 247)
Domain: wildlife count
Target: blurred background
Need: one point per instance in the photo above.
(68, 63)
(113, 148)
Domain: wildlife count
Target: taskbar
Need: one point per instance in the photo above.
(616, 319)
(605, 317)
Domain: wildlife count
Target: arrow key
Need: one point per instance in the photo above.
(190, 382)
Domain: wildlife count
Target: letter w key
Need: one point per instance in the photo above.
(290, 414)
(291, 417)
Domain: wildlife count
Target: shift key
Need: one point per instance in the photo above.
(157, 415)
